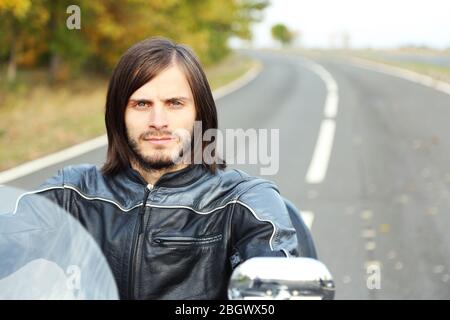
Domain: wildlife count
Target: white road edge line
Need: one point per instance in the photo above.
(82, 148)
(308, 218)
(319, 164)
(240, 82)
(66, 154)
(401, 73)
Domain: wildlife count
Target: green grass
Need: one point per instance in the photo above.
(37, 119)
(228, 70)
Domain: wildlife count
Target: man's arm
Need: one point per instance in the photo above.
(261, 225)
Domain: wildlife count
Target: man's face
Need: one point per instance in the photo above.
(154, 116)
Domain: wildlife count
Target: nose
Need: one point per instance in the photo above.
(158, 118)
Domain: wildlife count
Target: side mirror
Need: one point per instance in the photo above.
(277, 278)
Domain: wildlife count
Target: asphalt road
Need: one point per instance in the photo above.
(380, 213)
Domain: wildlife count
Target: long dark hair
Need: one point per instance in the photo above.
(136, 67)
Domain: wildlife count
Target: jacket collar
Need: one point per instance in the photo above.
(179, 178)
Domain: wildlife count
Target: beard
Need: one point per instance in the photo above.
(159, 159)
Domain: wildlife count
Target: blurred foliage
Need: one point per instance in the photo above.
(34, 33)
(281, 33)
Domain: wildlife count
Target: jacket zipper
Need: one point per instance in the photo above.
(187, 240)
(137, 244)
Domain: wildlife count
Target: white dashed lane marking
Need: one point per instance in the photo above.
(308, 218)
(322, 152)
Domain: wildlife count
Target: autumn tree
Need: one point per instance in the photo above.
(281, 33)
(35, 33)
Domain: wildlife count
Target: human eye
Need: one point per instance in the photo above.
(141, 104)
(176, 103)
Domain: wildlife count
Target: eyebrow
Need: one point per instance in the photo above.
(165, 100)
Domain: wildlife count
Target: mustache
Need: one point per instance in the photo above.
(153, 134)
(181, 134)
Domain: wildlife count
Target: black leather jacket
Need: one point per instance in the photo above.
(182, 237)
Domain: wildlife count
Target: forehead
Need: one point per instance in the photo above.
(171, 82)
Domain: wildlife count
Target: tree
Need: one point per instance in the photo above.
(282, 34)
(13, 14)
(35, 33)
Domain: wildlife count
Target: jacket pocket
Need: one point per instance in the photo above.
(181, 241)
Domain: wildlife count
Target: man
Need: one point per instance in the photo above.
(169, 228)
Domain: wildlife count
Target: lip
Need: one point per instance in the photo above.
(160, 140)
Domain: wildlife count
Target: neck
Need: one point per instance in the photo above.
(152, 176)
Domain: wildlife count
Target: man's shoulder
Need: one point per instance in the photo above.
(74, 175)
(233, 185)
(256, 193)
(85, 179)
(243, 182)
(90, 183)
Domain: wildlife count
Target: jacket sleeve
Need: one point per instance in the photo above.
(53, 189)
(261, 226)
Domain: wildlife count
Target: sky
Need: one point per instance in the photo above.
(368, 23)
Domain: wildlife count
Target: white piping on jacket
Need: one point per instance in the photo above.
(30, 192)
(157, 206)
